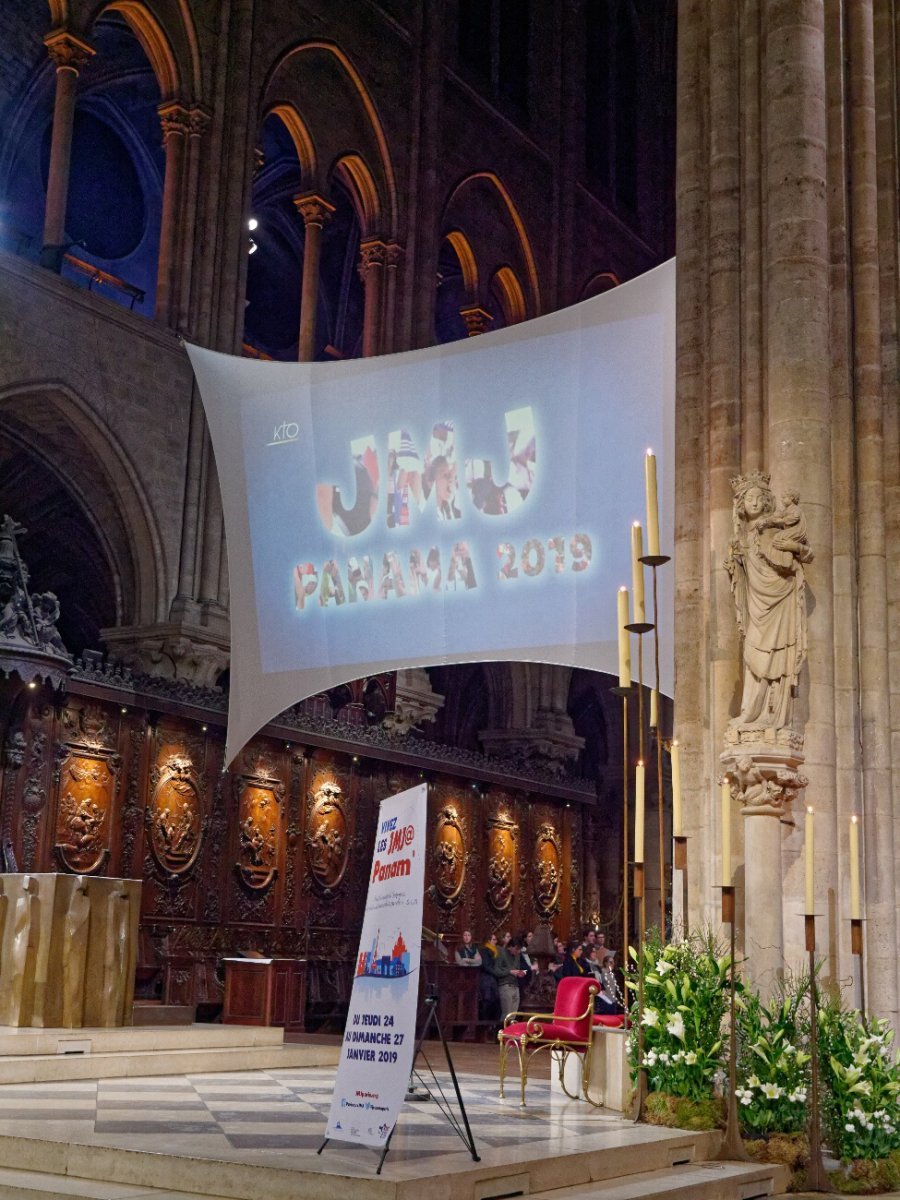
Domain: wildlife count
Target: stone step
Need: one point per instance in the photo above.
(695, 1181)
(191, 1061)
(29, 1042)
(143, 1015)
(35, 1185)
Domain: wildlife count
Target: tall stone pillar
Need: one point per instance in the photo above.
(69, 53)
(198, 121)
(393, 259)
(176, 126)
(316, 213)
(372, 259)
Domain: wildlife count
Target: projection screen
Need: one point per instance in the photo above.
(466, 502)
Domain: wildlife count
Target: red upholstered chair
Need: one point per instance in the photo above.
(610, 1020)
(567, 1030)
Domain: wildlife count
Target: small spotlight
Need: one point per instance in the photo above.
(253, 247)
(252, 224)
(32, 685)
(123, 710)
(356, 758)
(203, 729)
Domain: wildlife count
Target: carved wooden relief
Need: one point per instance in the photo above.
(259, 829)
(87, 785)
(547, 870)
(448, 857)
(327, 835)
(175, 816)
(501, 865)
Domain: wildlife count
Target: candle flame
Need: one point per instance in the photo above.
(636, 524)
(855, 819)
(640, 762)
(809, 809)
(623, 588)
(649, 451)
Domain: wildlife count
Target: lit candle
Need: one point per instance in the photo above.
(855, 911)
(726, 833)
(810, 855)
(654, 709)
(677, 822)
(652, 503)
(639, 813)
(624, 640)
(637, 574)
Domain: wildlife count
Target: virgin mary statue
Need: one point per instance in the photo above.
(765, 562)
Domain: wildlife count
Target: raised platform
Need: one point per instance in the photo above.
(254, 1135)
(43, 1055)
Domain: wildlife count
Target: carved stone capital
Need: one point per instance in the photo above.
(175, 118)
(764, 777)
(416, 702)
(477, 320)
(174, 651)
(199, 119)
(393, 254)
(68, 52)
(314, 210)
(372, 254)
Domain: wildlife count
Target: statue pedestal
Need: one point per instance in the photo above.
(763, 769)
(68, 950)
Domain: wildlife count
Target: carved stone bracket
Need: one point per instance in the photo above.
(764, 776)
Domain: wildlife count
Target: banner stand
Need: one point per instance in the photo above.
(464, 1131)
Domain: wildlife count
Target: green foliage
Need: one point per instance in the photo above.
(867, 1177)
(860, 1084)
(773, 1067)
(678, 1112)
(685, 997)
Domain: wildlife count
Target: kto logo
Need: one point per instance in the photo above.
(287, 431)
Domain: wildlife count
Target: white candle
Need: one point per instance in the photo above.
(677, 820)
(654, 709)
(726, 833)
(652, 503)
(855, 910)
(810, 870)
(624, 640)
(637, 575)
(639, 813)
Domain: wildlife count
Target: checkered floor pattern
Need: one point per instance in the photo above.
(246, 1114)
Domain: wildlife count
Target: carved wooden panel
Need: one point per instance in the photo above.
(547, 870)
(328, 834)
(503, 834)
(87, 784)
(259, 829)
(174, 816)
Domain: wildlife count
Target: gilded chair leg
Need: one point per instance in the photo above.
(504, 1048)
(523, 1069)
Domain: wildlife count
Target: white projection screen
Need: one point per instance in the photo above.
(467, 502)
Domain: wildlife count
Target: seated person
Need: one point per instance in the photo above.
(572, 963)
(609, 1000)
(467, 953)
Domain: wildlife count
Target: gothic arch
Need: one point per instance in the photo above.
(466, 256)
(277, 89)
(165, 29)
(463, 201)
(300, 136)
(505, 285)
(601, 281)
(352, 171)
(57, 426)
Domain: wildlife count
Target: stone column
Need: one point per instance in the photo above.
(477, 319)
(70, 54)
(393, 258)
(198, 122)
(372, 259)
(315, 212)
(176, 125)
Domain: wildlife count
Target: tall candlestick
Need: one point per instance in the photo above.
(654, 709)
(639, 615)
(624, 640)
(652, 504)
(810, 870)
(726, 833)
(639, 813)
(855, 910)
(677, 820)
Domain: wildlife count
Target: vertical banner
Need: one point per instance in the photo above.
(379, 1039)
